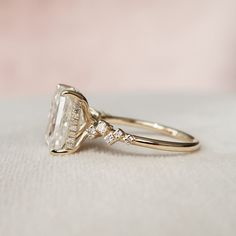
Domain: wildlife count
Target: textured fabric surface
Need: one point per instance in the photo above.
(120, 190)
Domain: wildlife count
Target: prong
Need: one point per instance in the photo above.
(60, 152)
(74, 94)
(69, 92)
(80, 134)
(80, 140)
(64, 151)
(83, 103)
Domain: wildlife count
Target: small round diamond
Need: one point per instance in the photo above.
(76, 108)
(109, 139)
(74, 128)
(102, 127)
(72, 134)
(70, 143)
(75, 116)
(92, 131)
(129, 139)
(118, 133)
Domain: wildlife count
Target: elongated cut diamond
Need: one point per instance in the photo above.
(62, 126)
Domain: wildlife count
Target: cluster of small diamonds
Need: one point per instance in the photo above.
(73, 126)
(110, 135)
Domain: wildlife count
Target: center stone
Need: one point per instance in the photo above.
(65, 119)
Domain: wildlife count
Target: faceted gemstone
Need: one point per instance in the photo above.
(118, 134)
(129, 139)
(74, 128)
(60, 119)
(109, 139)
(102, 127)
(70, 143)
(92, 131)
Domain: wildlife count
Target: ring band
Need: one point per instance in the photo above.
(188, 144)
(72, 121)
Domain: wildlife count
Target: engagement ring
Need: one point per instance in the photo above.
(72, 121)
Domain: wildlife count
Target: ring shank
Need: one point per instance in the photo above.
(188, 143)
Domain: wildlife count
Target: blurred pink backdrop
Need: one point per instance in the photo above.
(117, 45)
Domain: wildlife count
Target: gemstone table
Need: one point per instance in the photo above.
(120, 190)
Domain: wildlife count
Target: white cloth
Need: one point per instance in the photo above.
(120, 190)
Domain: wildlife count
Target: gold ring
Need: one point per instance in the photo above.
(72, 121)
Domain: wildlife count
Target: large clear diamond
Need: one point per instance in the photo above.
(59, 120)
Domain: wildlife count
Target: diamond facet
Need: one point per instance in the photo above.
(73, 128)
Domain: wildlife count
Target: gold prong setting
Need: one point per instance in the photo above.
(66, 121)
(73, 126)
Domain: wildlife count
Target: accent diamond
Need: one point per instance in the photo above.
(102, 127)
(75, 115)
(129, 139)
(76, 109)
(72, 134)
(70, 143)
(109, 139)
(118, 133)
(92, 131)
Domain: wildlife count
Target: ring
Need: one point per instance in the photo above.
(72, 121)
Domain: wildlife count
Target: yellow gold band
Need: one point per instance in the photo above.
(188, 143)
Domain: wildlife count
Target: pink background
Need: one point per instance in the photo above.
(119, 45)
